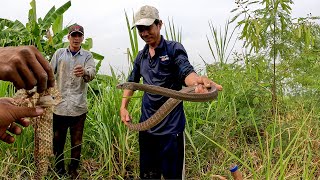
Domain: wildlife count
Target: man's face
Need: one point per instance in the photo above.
(150, 34)
(75, 39)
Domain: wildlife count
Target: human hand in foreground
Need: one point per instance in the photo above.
(11, 115)
(25, 67)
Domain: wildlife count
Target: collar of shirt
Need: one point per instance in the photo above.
(160, 47)
(80, 52)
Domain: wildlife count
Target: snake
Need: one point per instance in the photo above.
(42, 125)
(175, 97)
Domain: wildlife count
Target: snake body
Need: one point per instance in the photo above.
(43, 133)
(186, 94)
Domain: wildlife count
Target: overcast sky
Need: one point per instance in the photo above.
(104, 21)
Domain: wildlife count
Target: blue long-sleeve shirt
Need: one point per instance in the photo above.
(167, 68)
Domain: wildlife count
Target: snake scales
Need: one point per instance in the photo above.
(43, 132)
(186, 94)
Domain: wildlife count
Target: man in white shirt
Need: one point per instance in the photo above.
(73, 67)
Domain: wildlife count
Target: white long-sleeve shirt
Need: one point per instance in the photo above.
(72, 89)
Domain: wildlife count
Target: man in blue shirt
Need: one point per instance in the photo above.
(161, 63)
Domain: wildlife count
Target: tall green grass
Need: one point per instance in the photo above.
(171, 32)
(6, 89)
(111, 142)
(286, 148)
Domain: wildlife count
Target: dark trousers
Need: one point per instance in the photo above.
(161, 155)
(60, 128)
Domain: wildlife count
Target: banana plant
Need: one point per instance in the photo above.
(46, 34)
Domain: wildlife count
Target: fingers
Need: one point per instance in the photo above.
(208, 83)
(37, 70)
(4, 136)
(7, 100)
(23, 122)
(201, 89)
(12, 115)
(28, 77)
(33, 62)
(78, 71)
(78, 66)
(21, 112)
(26, 68)
(15, 129)
(14, 76)
(7, 138)
(125, 117)
(48, 76)
(205, 81)
(219, 87)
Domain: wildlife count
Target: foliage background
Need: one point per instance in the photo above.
(266, 119)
